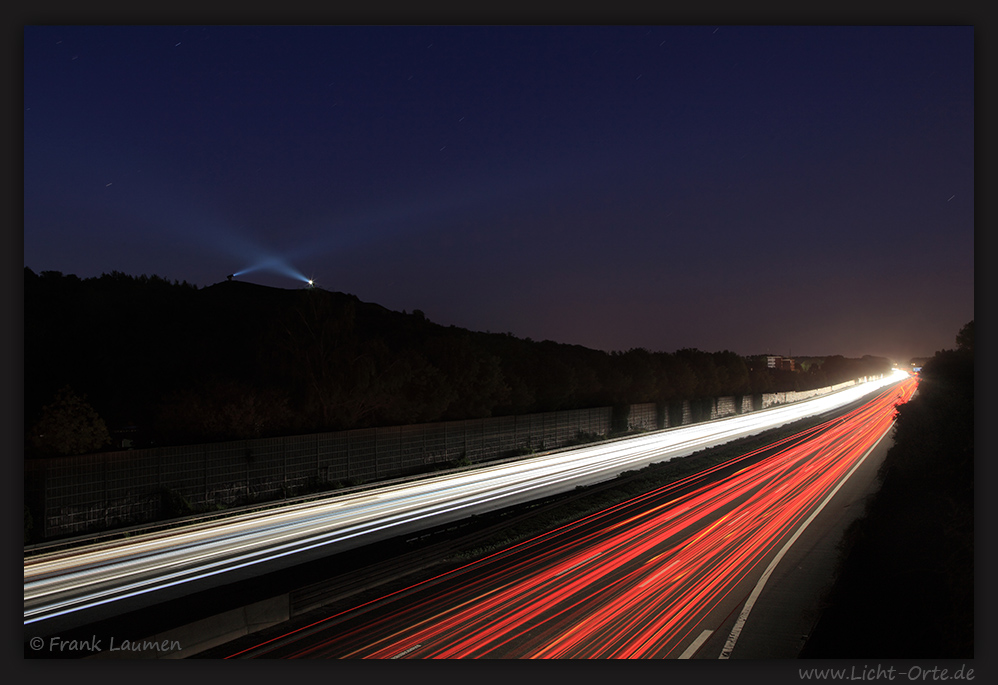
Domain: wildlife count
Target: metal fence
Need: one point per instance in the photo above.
(93, 492)
(80, 494)
(773, 398)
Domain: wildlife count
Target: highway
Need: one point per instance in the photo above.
(659, 576)
(72, 587)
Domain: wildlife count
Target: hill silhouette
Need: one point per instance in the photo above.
(169, 363)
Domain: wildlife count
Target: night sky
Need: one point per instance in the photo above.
(793, 190)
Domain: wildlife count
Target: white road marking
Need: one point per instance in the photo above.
(691, 650)
(742, 617)
(405, 651)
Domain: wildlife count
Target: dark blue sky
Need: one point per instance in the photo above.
(758, 189)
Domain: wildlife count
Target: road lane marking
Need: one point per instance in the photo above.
(401, 654)
(742, 617)
(692, 649)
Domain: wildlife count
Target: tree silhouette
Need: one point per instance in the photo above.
(965, 338)
(222, 409)
(241, 360)
(68, 425)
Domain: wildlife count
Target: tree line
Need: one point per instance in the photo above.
(170, 363)
(906, 583)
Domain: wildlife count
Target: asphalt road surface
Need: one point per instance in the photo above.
(75, 587)
(724, 564)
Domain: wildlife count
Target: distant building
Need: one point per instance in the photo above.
(775, 361)
(124, 438)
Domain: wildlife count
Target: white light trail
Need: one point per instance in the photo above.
(98, 575)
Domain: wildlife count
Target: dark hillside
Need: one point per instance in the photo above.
(169, 363)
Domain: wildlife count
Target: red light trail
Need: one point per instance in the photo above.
(640, 579)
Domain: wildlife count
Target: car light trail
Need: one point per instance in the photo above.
(200, 555)
(640, 579)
